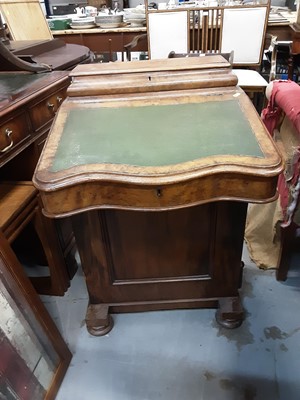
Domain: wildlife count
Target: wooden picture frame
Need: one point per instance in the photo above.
(34, 357)
(25, 20)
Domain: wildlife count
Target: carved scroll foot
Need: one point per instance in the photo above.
(98, 321)
(230, 313)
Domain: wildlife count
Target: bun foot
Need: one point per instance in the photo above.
(98, 321)
(230, 313)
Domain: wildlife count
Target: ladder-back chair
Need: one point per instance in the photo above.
(167, 31)
(240, 29)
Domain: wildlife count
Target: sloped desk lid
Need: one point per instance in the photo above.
(126, 148)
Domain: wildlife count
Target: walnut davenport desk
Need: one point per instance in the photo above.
(155, 163)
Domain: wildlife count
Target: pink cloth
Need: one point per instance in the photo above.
(285, 97)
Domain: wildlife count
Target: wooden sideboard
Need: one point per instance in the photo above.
(28, 105)
(105, 40)
(281, 30)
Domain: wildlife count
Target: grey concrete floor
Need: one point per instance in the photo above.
(185, 355)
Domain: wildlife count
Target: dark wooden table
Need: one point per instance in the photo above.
(42, 55)
(155, 164)
(28, 105)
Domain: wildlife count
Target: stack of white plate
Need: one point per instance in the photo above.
(135, 16)
(107, 21)
(83, 23)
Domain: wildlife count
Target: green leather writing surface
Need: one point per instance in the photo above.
(155, 135)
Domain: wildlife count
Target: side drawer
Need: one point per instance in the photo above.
(13, 134)
(44, 111)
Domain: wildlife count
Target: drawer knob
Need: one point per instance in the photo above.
(158, 192)
(50, 106)
(59, 99)
(8, 132)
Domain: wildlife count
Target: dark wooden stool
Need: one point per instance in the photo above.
(19, 211)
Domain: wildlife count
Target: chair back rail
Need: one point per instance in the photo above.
(205, 29)
(208, 31)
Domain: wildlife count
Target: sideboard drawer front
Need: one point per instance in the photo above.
(13, 133)
(44, 111)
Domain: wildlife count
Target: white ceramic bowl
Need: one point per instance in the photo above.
(109, 21)
(134, 10)
(83, 21)
(136, 21)
(135, 16)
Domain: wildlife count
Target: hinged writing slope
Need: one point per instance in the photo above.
(195, 144)
(151, 76)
